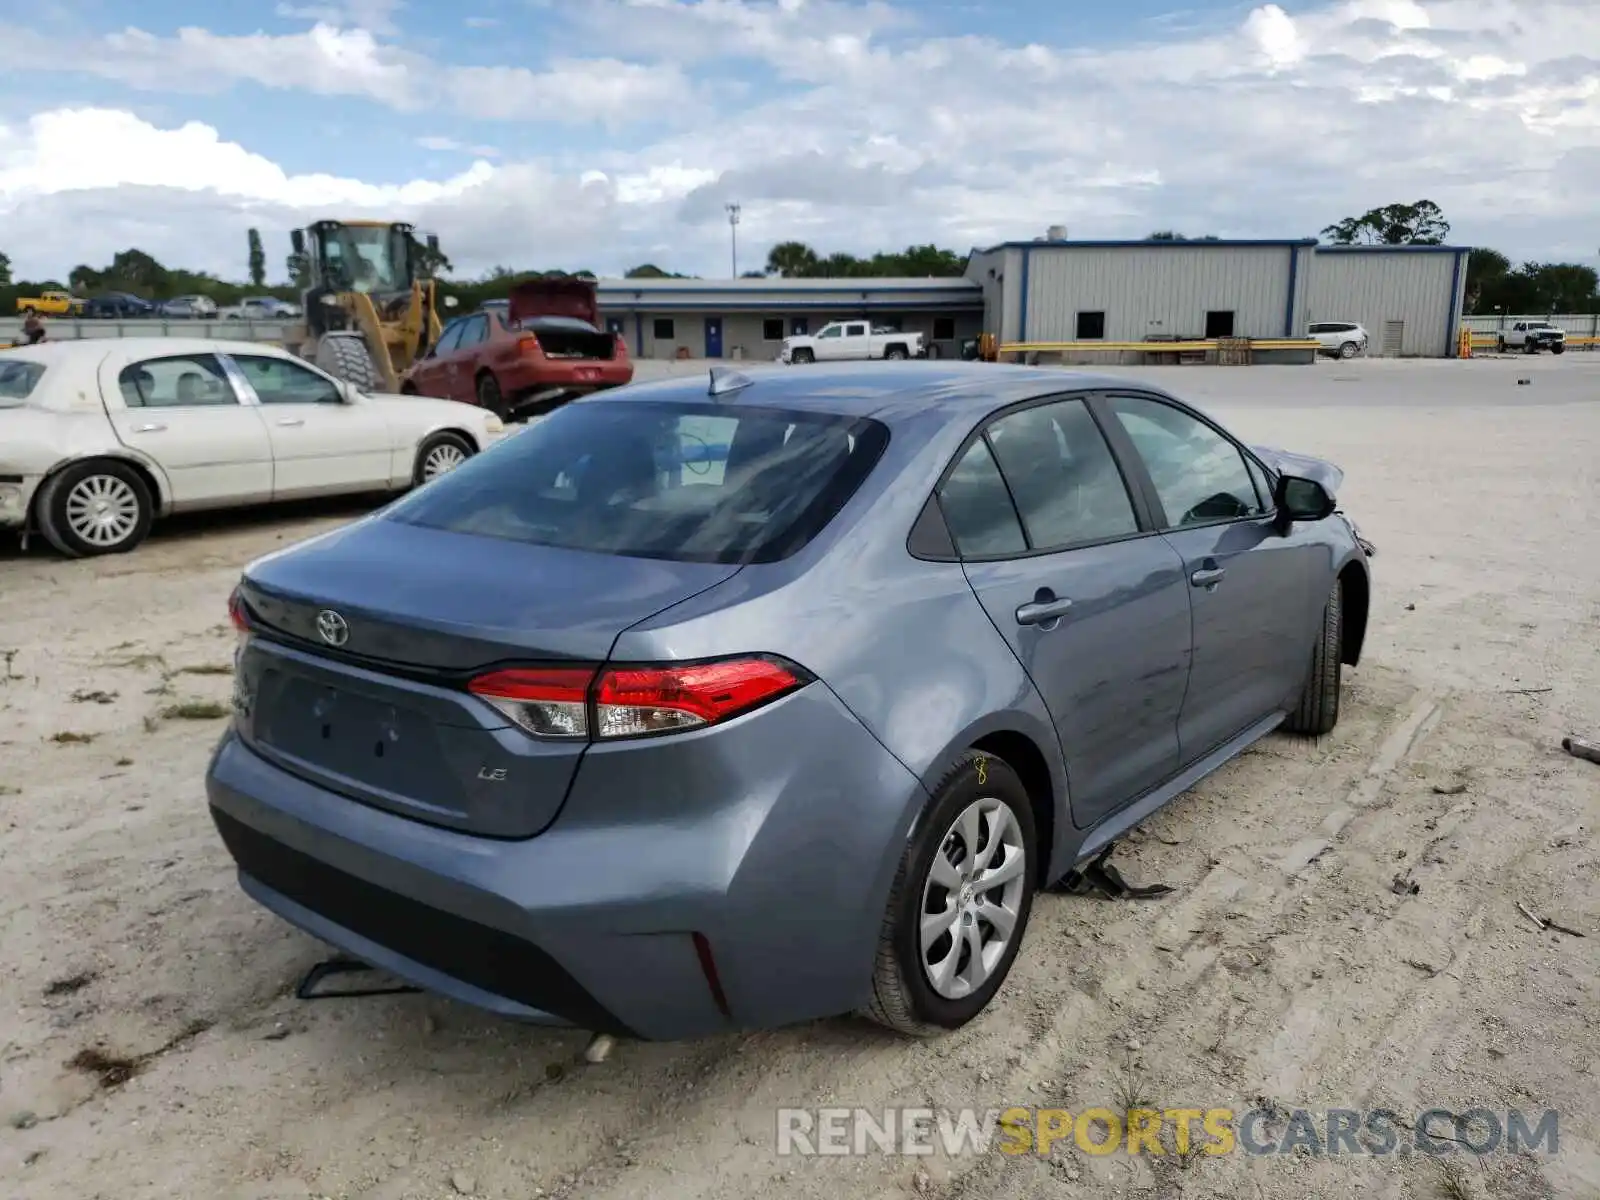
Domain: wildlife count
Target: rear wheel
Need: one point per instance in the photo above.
(1318, 710)
(960, 902)
(490, 396)
(93, 508)
(439, 455)
(344, 355)
(1499, 345)
(1530, 347)
(895, 352)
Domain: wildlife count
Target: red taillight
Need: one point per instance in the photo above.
(236, 613)
(634, 701)
(549, 702)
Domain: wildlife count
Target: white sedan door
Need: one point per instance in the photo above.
(321, 443)
(184, 414)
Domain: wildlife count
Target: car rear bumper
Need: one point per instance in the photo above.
(575, 376)
(744, 844)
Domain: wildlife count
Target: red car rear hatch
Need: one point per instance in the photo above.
(555, 298)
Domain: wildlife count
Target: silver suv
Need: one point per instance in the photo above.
(1343, 338)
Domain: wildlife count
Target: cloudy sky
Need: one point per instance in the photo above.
(604, 133)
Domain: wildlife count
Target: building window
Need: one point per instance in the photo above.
(799, 326)
(944, 329)
(1219, 324)
(772, 329)
(663, 329)
(1091, 326)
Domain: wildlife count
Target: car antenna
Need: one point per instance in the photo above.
(725, 382)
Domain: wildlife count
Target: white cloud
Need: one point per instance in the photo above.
(878, 135)
(376, 16)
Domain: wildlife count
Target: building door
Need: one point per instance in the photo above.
(1394, 337)
(713, 337)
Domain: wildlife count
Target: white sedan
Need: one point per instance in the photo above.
(99, 437)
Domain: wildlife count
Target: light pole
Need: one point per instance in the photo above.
(733, 234)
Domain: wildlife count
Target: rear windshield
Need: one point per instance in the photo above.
(689, 482)
(17, 381)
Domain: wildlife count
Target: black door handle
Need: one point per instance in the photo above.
(1046, 609)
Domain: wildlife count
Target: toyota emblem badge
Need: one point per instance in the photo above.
(332, 628)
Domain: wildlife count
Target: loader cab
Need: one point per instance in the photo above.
(382, 260)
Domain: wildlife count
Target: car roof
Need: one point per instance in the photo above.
(888, 391)
(121, 351)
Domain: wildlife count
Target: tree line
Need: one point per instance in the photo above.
(1494, 282)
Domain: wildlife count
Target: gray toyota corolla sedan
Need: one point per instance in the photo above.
(708, 704)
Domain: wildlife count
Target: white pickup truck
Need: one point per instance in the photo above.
(1531, 337)
(838, 341)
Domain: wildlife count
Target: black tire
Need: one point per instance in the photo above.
(801, 357)
(63, 492)
(344, 355)
(1348, 350)
(1558, 348)
(490, 396)
(895, 352)
(438, 442)
(1530, 347)
(1318, 710)
(1499, 345)
(409, 389)
(903, 999)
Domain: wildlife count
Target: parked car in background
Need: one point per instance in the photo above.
(541, 348)
(261, 308)
(51, 304)
(843, 340)
(1530, 337)
(100, 437)
(596, 730)
(202, 308)
(117, 306)
(1344, 339)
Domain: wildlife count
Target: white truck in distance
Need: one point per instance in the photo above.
(1531, 337)
(838, 341)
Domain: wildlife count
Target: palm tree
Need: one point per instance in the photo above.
(791, 260)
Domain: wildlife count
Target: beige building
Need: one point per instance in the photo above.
(748, 318)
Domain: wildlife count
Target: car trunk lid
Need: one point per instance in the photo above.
(556, 311)
(369, 636)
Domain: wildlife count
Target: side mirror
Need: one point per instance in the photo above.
(1300, 499)
(452, 302)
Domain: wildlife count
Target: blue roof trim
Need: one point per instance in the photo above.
(1117, 244)
(952, 284)
(1392, 249)
(759, 305)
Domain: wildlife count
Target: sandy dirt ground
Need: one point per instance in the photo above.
(151, 1047)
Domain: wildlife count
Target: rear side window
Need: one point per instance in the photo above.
(978, 509)
(689, 482)
(185, 381)
(17, 381)
(1062, 476)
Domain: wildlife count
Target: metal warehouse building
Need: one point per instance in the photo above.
(1409, 298)
(748, 318)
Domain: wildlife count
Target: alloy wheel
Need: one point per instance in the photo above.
(102, 510)
(971, 898)
(442, 459)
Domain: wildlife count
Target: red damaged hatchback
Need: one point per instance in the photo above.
(541, 348)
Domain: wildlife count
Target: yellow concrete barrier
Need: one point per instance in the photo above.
(1190, 347)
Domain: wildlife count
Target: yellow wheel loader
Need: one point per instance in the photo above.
(370, 302)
